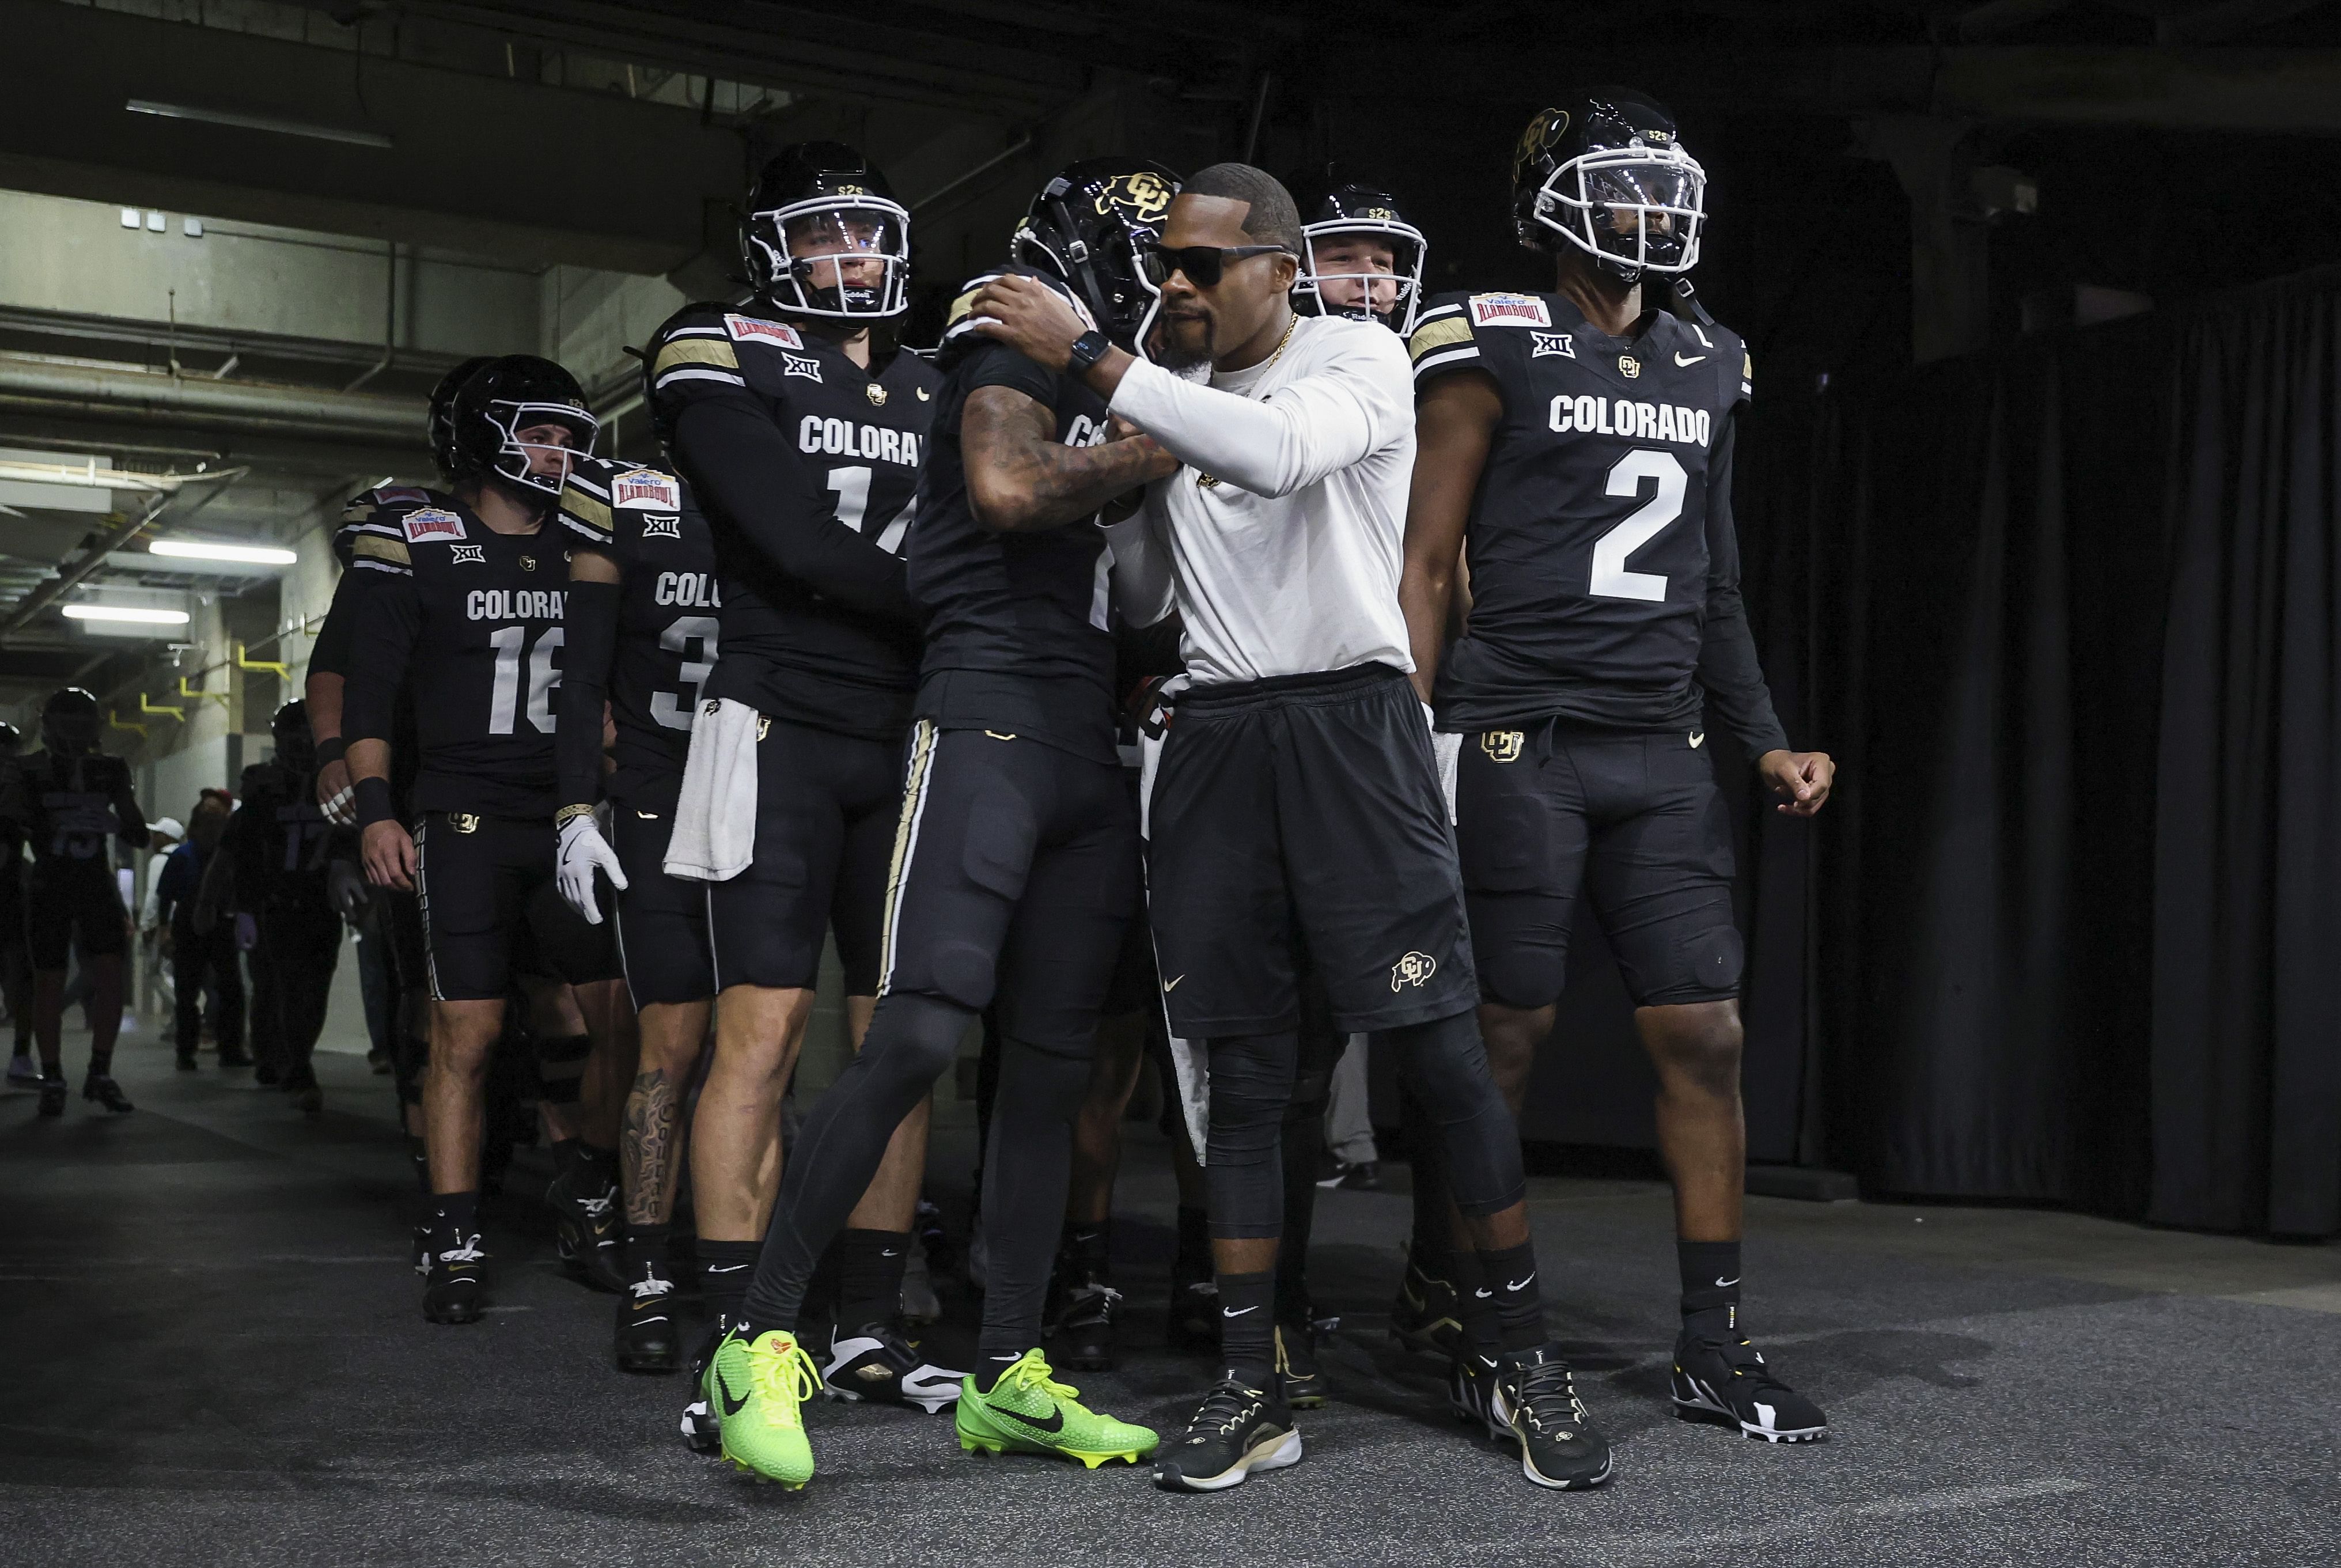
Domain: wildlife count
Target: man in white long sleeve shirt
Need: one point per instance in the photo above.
(1297, 808)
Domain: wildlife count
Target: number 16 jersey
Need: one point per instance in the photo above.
(1604, 570)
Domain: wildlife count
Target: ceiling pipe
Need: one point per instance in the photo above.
(31, 383)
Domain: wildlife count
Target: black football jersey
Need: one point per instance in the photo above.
(669, 632)
(809, 531)
(1601, 540)
(330, 654)
(280, 845)
(1018, 637)
(69, 807)
(470, 618)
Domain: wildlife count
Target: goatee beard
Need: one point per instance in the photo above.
(1173, 355)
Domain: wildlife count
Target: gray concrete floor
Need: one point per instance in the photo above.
(217, 1359)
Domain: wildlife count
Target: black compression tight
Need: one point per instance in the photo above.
(1444, 1067)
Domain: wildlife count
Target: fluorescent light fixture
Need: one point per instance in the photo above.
(242, 122)
(130, 614)
(204, 550)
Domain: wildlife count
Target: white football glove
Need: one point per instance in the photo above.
(582, 848)
(1447, 750)
(346, 885)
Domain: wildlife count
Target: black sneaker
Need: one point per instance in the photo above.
(1472, 1390)
(1194, 1314)
(703, 1428)
(1426, 1317)
(1536, 1406)
(53, 1097)
(587, 1229)
(1084, 1334)
(264, 1074)
(102, 1088)
(1357, 1176)
(1296, 1363)
(453, 1282)
(1727, 1383)
(1233, 1432)
(878, 1361)
(647, 1338)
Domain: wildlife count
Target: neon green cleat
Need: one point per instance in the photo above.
(1028, 1411)
(755, 1390)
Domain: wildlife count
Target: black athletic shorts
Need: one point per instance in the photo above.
(826, 805)
(661, 920)
(65, 900)
(1303, 813)
(1016, 873)
(1638, 819)
(490, 909)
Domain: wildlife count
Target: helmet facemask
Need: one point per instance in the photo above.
(1393, 298)
(1634, 209)
(515, 460)
(817, 257)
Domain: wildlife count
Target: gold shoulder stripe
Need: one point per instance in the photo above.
(958, 307)
(593, 514)
(382, 549)
(1438, 335)
(357, 511)
(694, 351)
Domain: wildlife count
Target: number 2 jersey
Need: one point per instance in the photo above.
(806, 466)
(648, 643)
(1604, 569)
(472, 619)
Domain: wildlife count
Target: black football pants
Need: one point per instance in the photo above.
(292, 980)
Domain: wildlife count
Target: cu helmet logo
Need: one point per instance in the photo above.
(1144, 195)
(1412, 970)
(1542, 134)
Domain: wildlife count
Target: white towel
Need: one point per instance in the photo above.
(714, 835)
(1188, 1059)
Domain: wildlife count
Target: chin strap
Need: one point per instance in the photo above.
(1688, 298)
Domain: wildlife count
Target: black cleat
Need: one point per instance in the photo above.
(1472, 1390)
(1084, 1335)
(1426, 1318)
(648, 1339)
(1727, 1383)
(1535, 1404)
(455, 1288)
(102, 1088)
(1194, 1314)
(703, 1428)
(586, 1230)
(1296, 1363)
(1233, 1432)
(53, 1097)
(878, 1361)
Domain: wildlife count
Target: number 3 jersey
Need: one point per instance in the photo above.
(472, 619)
(806, 466)
(1604, 569)
(653, 660)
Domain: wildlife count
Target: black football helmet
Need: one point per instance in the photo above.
(69, 722)
(1331, 202)
(440, 423)
(297, 748)
(504, 397)
(817, 206)
(1610, 175)
(1086, 227)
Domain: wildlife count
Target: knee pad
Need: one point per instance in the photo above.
(920, 1036)
(1517, 975)
(1703, 963)
(1445, 1068)
(561, 1066)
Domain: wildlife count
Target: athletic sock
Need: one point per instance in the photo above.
(870, 1265)
(1710, 1287)
(1193, 1261)
(1247, 1327)
(459, 1211)
(724, 1270)
(1509, 1276)
(990, 1364)
(1475, 1307)
(601, 1165)
(1088, 1247)
(567, 1156)
(645, 1244)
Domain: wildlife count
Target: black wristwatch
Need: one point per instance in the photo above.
(1087, 350)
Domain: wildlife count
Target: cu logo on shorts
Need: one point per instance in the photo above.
(1412, 970)
(1503, 745)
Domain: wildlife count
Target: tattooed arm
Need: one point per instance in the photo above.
(646, 1148)
(1021, 479)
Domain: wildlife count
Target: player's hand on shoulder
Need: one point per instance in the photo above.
(1029, 317)
(1801, 779)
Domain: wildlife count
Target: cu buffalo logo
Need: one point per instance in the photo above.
(1412, 970)
(1144, 196)
(1502, 745)
(1543, 134)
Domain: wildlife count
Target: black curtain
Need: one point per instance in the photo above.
(2066, 616)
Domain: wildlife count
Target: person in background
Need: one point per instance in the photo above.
(16, 958)
(197, 955)
(161, 838)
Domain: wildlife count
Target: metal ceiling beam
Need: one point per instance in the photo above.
(31, 383)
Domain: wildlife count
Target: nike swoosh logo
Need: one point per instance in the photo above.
(1694, 359)
(1732, 1281)
(889, 1252)
(1056, 1421)
(1170, 985)
(1238, 1311)
(731, 1406)
(1698, 739)
(1520, 1285)
(1481, 1295)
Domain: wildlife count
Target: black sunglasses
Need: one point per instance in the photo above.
(1203, 264)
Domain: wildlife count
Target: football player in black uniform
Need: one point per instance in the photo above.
(1581, 440)
(68, 799)
(1015, 864)
(463, 602)
(1360, 256)
(281, 863)
(801, 427)
(16, 958)
(642, 640)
